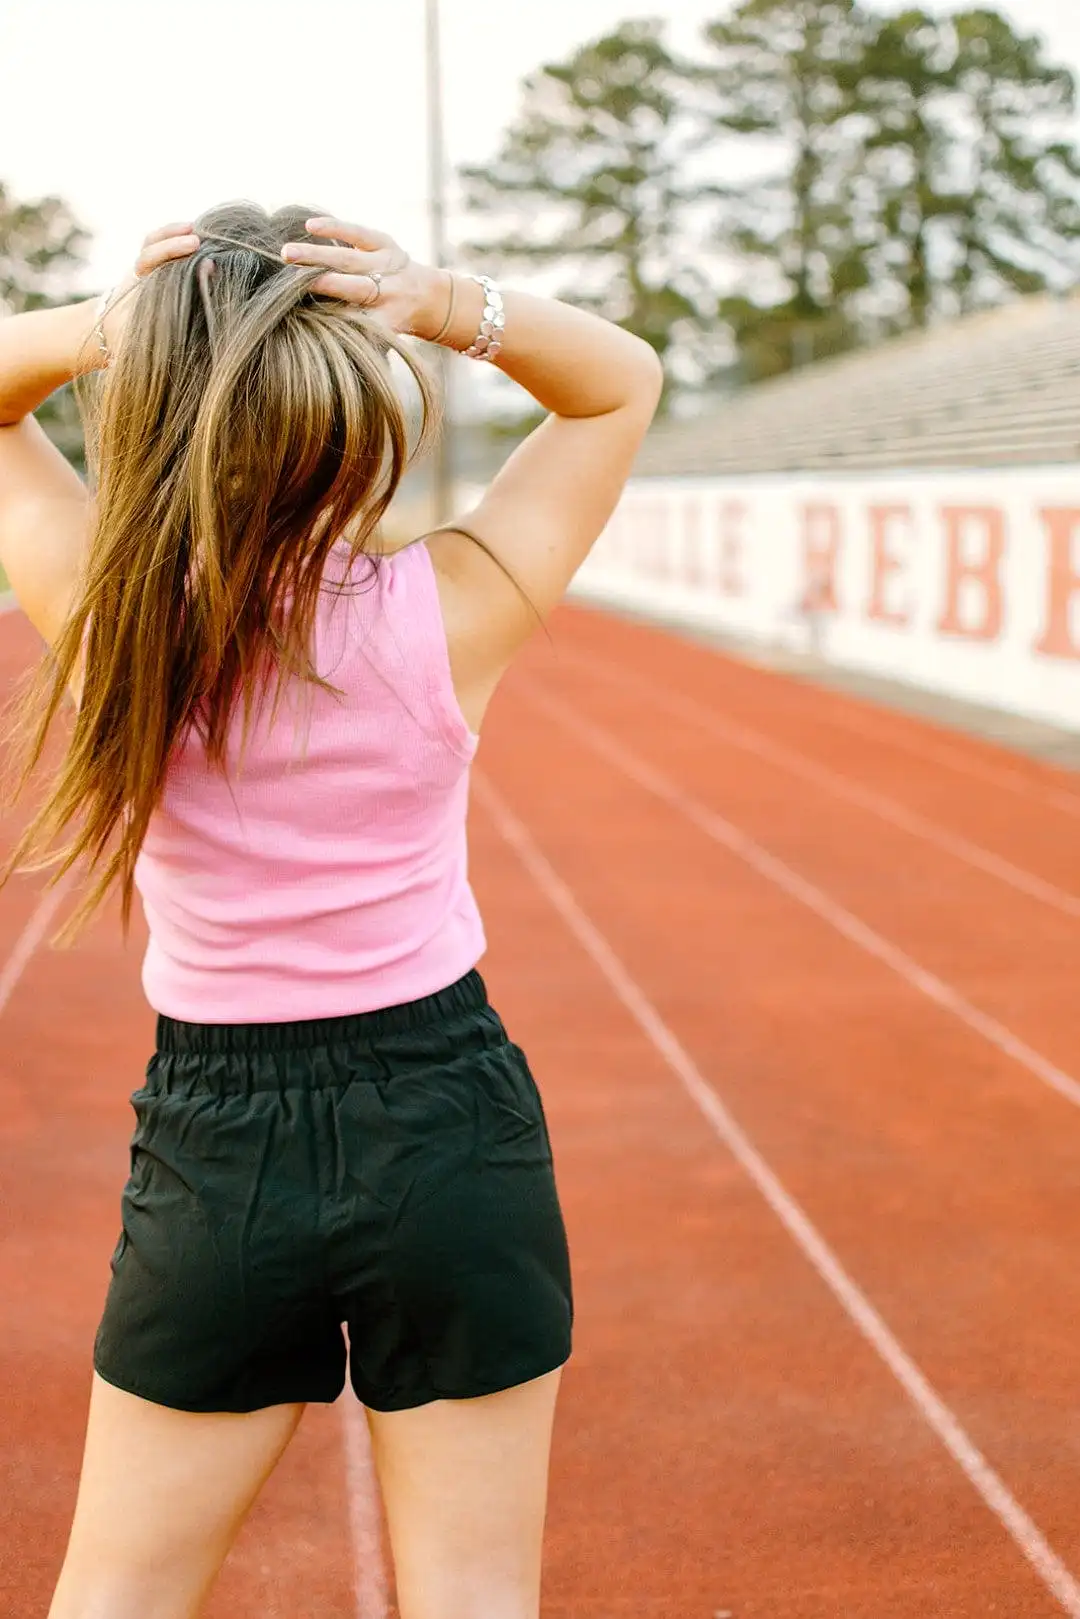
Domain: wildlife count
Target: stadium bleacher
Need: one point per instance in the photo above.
(1000, 388)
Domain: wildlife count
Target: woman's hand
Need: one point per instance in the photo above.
(177, 241)
(373, 272)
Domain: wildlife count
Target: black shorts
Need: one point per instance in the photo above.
(389, 1172)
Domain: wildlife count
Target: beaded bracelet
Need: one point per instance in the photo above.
(489, 338)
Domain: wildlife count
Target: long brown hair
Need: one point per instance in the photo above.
(245, 426)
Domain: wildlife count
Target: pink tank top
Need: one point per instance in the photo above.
(325, 874)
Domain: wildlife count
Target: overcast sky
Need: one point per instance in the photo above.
(141, 111)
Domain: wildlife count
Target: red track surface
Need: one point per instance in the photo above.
(830, 1372)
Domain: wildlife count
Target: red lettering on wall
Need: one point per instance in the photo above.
(974, 548)
(1062, 583)
(821, 553)
(885, 563)
(732, 518)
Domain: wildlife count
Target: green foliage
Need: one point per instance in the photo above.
(780, 71)
(588, 181)
(782, 75)
(1019, 231)
(60, 418)
(890, 168)
(975, 187)
(41, 248)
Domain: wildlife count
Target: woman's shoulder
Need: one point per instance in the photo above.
(408, 569)
(394, 587)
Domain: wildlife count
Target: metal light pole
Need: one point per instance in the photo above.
(443, 471)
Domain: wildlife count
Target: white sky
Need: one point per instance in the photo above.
(142, 111)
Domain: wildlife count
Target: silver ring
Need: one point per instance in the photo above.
(377, 277)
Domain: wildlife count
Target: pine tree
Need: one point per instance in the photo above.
(966, 154)
(588, 183)
(779, 80)
(889, 169)
(908, 158)
(1020, 229)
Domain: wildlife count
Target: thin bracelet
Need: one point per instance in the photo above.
(489, 338)
(445, 327)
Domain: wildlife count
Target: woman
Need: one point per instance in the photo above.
(272, 740)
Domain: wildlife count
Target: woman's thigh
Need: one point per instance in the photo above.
(161, 1497)
(465, 1488)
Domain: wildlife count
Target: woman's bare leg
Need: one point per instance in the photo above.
(465, 1488)
(161, 1497)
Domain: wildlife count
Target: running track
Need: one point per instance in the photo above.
(799, 979)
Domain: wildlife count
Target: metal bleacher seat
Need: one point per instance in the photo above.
(998, 388)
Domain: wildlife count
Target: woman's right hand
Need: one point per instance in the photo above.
(168, 242)
(373, 272)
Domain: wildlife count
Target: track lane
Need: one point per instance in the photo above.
(968, 785)
(1010, 952)
(943, 1176)
(799, 766)
(725, 1441)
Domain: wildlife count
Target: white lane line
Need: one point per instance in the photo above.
(756, 742)
(940, 753)
(365, 1522)
(846, 717)
(41, 920)
(789, 881)
(938, 1416)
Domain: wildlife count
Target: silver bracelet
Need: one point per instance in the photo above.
(489, 338)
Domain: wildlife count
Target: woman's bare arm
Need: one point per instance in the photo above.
(43, 502)
(44, 507)
(552, 499)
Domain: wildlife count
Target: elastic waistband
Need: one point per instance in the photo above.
(469, 994)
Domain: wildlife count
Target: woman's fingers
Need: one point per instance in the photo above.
(348, 260)
(359, 236)
(183, 228)
(162, 249)
(348, 288)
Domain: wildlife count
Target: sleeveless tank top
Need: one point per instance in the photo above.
(325, 872)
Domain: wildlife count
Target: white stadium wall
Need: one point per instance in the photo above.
(963, 583)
